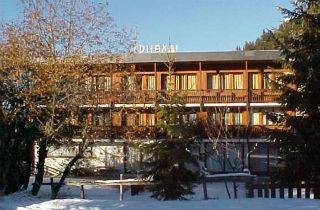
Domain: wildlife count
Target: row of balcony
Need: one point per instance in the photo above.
(189, 96)
(150, 132)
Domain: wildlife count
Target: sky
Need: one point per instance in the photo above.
(193, 25)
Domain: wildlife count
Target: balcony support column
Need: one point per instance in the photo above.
(201, 86)
(247, 113)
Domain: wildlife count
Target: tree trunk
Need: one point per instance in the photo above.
(55, 187)
(40, 167)
(28, 166)
(227, 189)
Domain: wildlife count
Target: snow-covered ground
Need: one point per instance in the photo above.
(107, 197)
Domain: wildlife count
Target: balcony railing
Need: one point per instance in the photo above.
(189, 96)
(264, 96)
(150, 132)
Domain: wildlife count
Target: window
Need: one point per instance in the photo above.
(181, 82)
(213, 81)
(129, 82)
(192, 117)
(103, 83)
(238, 118)
(87, 83)
(227, 119)
(98, 119)
(255, 118)
(107, 119)
(107, 83)
(164, 80)
(94, 84)
(265, 120)
(228, 81)
(255, 81)
(89, 118)
(238, 81)
(151, 119)
(151, 82)
(146, 119)
(186, 82)
(124, 120)
(192, 82)
(142, 119)
(267, 80)
(167, 83)
(98, 83)
(213, 117)
(129, 119)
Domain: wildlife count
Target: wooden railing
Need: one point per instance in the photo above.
(150, 132)
(189, 96)
(124, 132)
(264, 96)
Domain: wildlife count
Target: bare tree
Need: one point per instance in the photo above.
(63, 41)
(225, 139)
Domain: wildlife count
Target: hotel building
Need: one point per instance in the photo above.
(233, 88)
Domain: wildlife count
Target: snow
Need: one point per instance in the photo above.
(103, 182)
(107, 198)
(229, 175)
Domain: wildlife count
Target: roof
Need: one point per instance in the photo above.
(254, 55)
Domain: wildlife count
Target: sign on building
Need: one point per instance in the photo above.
(158, 48)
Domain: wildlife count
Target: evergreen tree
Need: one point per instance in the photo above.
(172, 165)
(18, 132)
(266, 40)
(300, 142)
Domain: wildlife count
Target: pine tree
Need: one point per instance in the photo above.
(266, 40)
(300, 142)
(172, 165)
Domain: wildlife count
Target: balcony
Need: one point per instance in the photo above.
(264, 96)
(150, 132)
(189, 96)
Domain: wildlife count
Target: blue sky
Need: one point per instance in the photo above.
(194, 25)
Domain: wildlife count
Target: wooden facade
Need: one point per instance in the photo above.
(232, 88)
(244, 86)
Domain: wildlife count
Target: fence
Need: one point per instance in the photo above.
(269, 190)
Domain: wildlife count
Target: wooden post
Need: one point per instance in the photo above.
(273, 191)
(125, 157)
(316, 192)
(307, 190)
(259, 191)
(134, 190)
(281, 190)
(121, 188)
(266, 191)
(82, 195)
(205, 191)
(249, 190)
(290, 192)
(299, 192)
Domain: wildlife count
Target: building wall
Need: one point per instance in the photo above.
(236, 93)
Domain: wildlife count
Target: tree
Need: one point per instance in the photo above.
(172, 162)
(17, 123)
(299, 143)
(266, 40)
(64, 42)
(18, 132)
(171, 158)
(225, 139)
